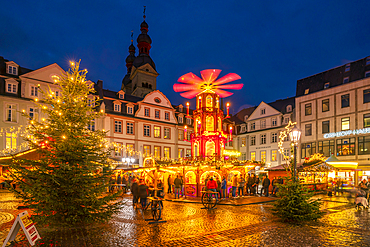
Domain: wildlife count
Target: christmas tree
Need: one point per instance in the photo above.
(68, 184)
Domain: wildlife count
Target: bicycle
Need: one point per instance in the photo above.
(209, 199)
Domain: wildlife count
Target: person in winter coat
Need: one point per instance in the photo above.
(265, 185)
(135, 192)
(143, 193)
(178, 184)
(249, 184)
(241, 184)
(218, 187)
(169, 191)
(212, 186)
(223, 187)
(234, 183)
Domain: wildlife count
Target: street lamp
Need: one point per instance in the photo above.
(294, 135)
(128, 160)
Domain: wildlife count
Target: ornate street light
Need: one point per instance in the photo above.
(295, 135)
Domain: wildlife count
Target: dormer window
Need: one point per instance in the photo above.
(243, 129)
(34, 91)
(11, 87)
(245, 118)
(121, 96)
(188, 121)
(180, 108)
(326, 85)
(367, 60)
(345, 80)
(180, 119)
(263, 111)
(289, 108)
(130, 110)
(306, 91)
(117, 107)
(12, 70)
(348, 67)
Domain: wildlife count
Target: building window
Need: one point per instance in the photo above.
(308, 149)
(364, 145)
(263, 139)
(345, 100)
(180, 119)
(367, 60)
(157, 114)
(287, 152)
(11, 87)
(146, 130)
(33, 113)
(121, 95)
(146, 112)
(130, 110)
(366, 120)
(274, 122)
(90, 101)
(181, 135)
(34, 91)
(325, 105)
(230, 143)
(167, 152)
(146, 149)
(188, 121)
(289, 108)
(117, 126)
(367, 74)
(188, 135)
(157, 132)
(366, 95)
(263, 156)
(118, 150)
(263, 124)
(242, 129)
(263, 111)
(10, 113)
(253, 126)
(325, 127)
(130, 128)
(273, 137)
(273, 155)
(345, 80)
(167, 116)
(129, 149)
(117, 107)
(188, 152)
(326, 85)
(253, 140)
(11, 141)
(346, 147)
(253, 156)
(286, 120)
(345, 123)
(167, 133)
(12, 70)
(181, 153)
(91, 125)
(157, 152)
(326, 147)
(308, 109)
(244, 156)
(308, 129)
(306, 91)
(348, 67)
(243, 141)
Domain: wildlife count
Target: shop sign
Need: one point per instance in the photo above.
(231, 153)
(23, 221)
(347, 133)
(190, 190)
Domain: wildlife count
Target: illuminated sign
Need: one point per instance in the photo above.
(231, 153)
(347, 133)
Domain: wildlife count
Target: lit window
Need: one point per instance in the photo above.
(11, 141)
(157, 152)
(181, 135)
(306, 91)
(146, 112)
(263, 156)
(117, 107)
(157, 132)
(326, 85)
(308, 109)
(273, 155)
(118, 150)
(146, 130)
(146, 149)
(181, 153)
(345, 123)
(167, 152)
(157, 113)
(129, 149)
(167, 116)
(308, 129)
(325, 105)
(345, 100)
(253, 156)
(34, 91)
(348, 67)
(366, 120)
(243, 141)
(345, 80)
(10, 113)
(11, 87)
(130, 128)
(167, 133)
(188, 152)
(117, 126)
(130, 110)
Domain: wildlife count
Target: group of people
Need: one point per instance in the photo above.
(364, 186)
(121, 182)
(175, 186)
(141, 190)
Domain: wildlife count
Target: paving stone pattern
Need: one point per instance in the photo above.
(190, 225)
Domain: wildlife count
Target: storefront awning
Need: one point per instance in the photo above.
(342, 165)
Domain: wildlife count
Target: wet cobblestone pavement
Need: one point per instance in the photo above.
(190, 225)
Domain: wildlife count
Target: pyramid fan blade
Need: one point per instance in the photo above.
(184, 87)
(209, 75)
(227, 78)
(231, 86)
(190, 78)
(190, 94)
(223, 93)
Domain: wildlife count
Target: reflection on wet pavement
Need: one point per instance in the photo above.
(190, 225)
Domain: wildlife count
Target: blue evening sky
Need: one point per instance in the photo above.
(270, 44)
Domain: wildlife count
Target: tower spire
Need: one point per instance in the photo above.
(144, 41)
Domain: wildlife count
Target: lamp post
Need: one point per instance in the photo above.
(128, 160)
(295, 135)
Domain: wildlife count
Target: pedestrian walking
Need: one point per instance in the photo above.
(248, 185)
(173, 184)
(212, 186)
(169, 191)
(135, 192)
(265, 185)
(223, 187)
(255, 184)
(218, 187)
(234, 184)
(143, 193)
(241, 184)
(274, 183)
(177, 184)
